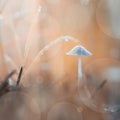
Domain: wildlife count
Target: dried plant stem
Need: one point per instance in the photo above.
(102, 84)
(41, 52)
(19, 76)
(29, 38)
(5, 83)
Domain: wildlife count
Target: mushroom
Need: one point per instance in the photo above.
(79, 51)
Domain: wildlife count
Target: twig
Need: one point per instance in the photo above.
(19, 76)
(51, 44)
(99, 88)
(5, 82)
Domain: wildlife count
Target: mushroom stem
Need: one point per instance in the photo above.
(79, 70)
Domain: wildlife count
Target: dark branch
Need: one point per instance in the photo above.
(99, 88)
(5, 84)
(19, 76)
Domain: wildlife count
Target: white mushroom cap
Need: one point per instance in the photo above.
(79, 51)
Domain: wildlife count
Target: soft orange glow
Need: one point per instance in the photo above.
(33, 35)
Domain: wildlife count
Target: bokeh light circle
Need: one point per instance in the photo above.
(64, 111)
(101, 85)
(16, 105)
(108, 17)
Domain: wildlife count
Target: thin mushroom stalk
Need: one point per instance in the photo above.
(79, 71)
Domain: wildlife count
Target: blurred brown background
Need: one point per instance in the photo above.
(27, 26)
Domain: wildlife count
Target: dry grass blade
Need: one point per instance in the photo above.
(99, 88)
(5, 84)
(29, 38)
(19, 76)
(51, 44)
